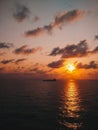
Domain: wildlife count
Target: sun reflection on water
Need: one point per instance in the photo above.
(70, 110)
(72, 99)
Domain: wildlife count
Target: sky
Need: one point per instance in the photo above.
(40, 38)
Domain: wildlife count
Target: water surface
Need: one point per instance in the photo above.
(37, 105)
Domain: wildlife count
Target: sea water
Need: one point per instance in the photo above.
(43, 105)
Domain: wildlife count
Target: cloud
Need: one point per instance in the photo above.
(13, 61)
(36, 32)
(91, 65)
(20, 60)
(96, 37)
(74, 50)
(56, 64)
(95, 50)
(24, 50)
(55, 51)
(59, 21)
(7, 61)
(36, 18)
(38, 70)
(67, 17)
(79, 50)
(21, 12)
(4, 45)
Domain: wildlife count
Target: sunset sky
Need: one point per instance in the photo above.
(41, 38)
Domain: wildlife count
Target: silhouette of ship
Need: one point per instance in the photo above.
(49, 80)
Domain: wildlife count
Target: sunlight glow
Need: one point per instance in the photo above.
(71, 67)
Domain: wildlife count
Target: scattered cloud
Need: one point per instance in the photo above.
(79, 50)
(4, 45)
(55, 51)
(25, 50)
(95, 50)
(66, 17)
(60, 20)
(56, 64)
(96, 37)
(21, 12)
(13, 61)
(91, 65)
(38, 70)
(20, 60)
(36, 32)
(7, 61)
(74, 50)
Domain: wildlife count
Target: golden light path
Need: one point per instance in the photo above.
(71, 108)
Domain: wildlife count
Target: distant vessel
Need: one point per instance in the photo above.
(49, 80)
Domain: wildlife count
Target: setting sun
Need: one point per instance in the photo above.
(71, 67)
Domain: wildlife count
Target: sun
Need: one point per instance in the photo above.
(71, 67)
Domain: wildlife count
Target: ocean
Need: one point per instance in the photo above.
(42, 105)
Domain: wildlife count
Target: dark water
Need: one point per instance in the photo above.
(38, 105)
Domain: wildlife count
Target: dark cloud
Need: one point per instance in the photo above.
(95, 50)
(67, 17)
(13, 61)
(74, 50)
(59, 21)
(4, 45)
(56, 64)
(91, 65)
(36, 32)
(20, 60)
(24, 50)
(21, 12)
(79, 50)
(96, 37)
(7, 61)
(55, 51)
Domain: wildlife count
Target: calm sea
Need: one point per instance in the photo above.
(39, 105)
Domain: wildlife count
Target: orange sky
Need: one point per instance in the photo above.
(40, 41)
